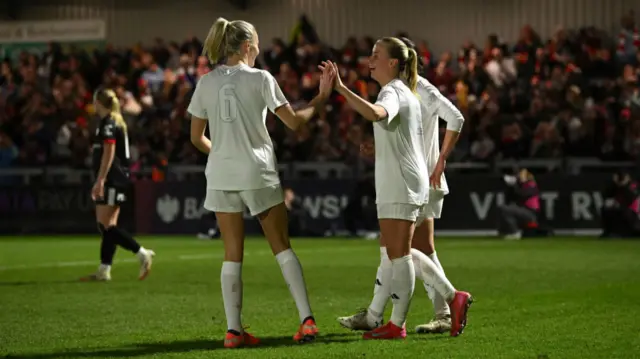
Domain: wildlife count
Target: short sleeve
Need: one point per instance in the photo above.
(271, 93)
(196, 106)
(389, 100)
(108, 131)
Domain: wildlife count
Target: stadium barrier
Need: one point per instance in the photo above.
(570, 204)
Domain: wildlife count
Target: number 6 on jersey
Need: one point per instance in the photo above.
(228, 103)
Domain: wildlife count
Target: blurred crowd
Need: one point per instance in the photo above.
(574, 94)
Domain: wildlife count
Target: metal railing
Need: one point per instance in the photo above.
(297, 170)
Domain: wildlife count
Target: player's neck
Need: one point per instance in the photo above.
(102, 114)
(384, 80)
(237, 60)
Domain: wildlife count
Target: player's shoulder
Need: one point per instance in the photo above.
(260, 73)
(108, 121)
(207, 78)
(256, 77)
(394, 87)
(425, 85)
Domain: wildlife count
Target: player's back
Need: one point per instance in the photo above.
(429, 98)
(401, 172)
(109, 132)
(242, 155)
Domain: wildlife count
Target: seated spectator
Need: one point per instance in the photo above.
(621, 207)
(522, 205)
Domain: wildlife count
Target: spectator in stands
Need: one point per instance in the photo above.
(522, 205)
(619, 213)
(8, 155)
(628, 39)
(501, 69)
(8, 151)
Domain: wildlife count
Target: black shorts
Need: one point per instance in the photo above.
(114, 195)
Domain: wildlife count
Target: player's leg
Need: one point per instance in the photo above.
(108, 247)
(228, 208)
(372, 317)
(268, 205)
(446, 299)
(397, 223)
(423, 241)
(116, 196)
(107, 214)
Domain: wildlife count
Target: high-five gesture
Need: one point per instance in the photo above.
(329, 67)
(326, 83)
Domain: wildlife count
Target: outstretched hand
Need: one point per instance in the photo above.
(326, 82)
(329, 67)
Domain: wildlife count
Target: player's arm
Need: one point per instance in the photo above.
(295, 119)
(108, 132)
(199, 121)
(278, 104)
(370, 111)
(198, 138)
(452, 116)
(386, 108)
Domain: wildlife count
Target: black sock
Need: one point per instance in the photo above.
(107, 248)
(123, 239)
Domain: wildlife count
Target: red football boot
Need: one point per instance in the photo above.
(459, 307)
(307, 331)
(387, 331)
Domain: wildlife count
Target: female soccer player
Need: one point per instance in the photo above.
(111, 166)
(401, 173)
(241, 171)
(426, 262)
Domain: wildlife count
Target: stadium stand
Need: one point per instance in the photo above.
(573, 96)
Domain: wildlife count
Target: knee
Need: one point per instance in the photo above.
(398, 249)
(425, 247)
(104, 226)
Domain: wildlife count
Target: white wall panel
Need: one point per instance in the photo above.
(445, 24)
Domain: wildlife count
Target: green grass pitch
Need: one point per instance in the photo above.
(555, 298)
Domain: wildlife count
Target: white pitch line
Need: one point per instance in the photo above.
(185, 257)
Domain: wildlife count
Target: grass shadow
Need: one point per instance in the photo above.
(34, 283)
(175, 347)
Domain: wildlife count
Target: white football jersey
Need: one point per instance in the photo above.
(234, 100)
(434, 106)
(401, 170)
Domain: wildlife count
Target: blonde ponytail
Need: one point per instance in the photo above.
(215, 43)
(225, 38)
(410, 71)
(407, 60)
(116, 114)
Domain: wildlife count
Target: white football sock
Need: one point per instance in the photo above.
(104, 268)
(381, 290)
(142, 253)
(292, 272)
(433, 276)
(428, 287)
(440, 305)
(403, 281)
(231, 280)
